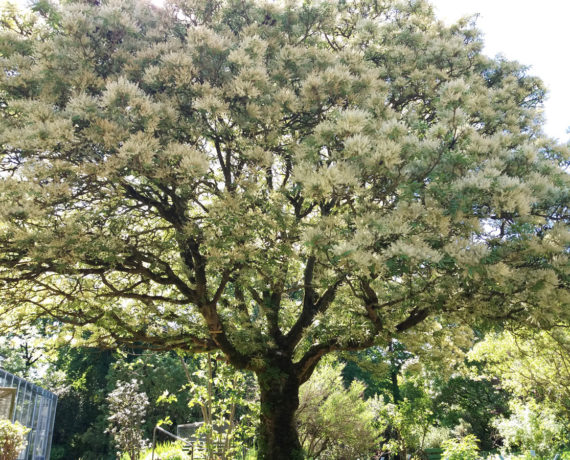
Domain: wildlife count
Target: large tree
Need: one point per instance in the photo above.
(276, 181)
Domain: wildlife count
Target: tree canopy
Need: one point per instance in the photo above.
(274, 180)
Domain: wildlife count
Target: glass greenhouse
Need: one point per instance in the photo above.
(33, 407)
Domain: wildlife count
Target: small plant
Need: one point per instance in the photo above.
(175, 451)
(531, 426)
(166, 451)
(461, 449)
(12, 439)
(127, 407)
(227, 400)
(435, 436)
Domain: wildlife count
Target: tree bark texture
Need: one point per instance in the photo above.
(278, 438)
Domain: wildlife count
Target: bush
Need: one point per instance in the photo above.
(461, 449)
(12, 439)
(435, 437)
(334, 421)
(531, 427)
(166, 451)
(127, 407)
(175, 451)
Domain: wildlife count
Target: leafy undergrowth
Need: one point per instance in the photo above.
(528, 456)
(176, 451)
(163, 451)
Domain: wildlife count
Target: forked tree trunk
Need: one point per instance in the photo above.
(278, 438)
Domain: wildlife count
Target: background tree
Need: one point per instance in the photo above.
(429, 396)
(159, 374)
(472, 400)
(84, 378)
(80, 378)
(533, 365)
(24, 353)
(276, 181)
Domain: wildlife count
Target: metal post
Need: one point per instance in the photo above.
(153, 441)
(34, 424)
(52, 409)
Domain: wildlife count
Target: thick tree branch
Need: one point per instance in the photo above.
(168, 213)
(415, 317)
(223, 283)
(138, 338)
(225, 164)
(271, 306)
(127, 293)
(306, 365)
(311, 306)
(219, 337)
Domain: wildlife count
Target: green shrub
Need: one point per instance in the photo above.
(334, 421)
(127, 407)
(12, 439)
(176, 451)
(164, 451)
(531, 426)
(461, 449)
(435, 437)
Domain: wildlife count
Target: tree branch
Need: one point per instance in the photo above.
(306, 365)
(416, 316)
(310, 310)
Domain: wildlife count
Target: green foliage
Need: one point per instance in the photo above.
(159, 374)
(534, 365)
(532, 427)
(465, 448)
(471, 399)
(80, 381)
(127, 407)
(334, 421)
(86, 375)
(12, 439)
(228, 400)
(377, 367)
(410, 418)
(166, 451)
(408, 395)
(276, 180)
(428, 399)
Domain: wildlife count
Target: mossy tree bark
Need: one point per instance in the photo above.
(279, 389)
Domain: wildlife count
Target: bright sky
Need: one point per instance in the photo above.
(535, 33)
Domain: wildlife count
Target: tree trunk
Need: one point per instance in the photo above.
(278, 438)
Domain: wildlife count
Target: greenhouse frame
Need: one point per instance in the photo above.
(32, 406)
